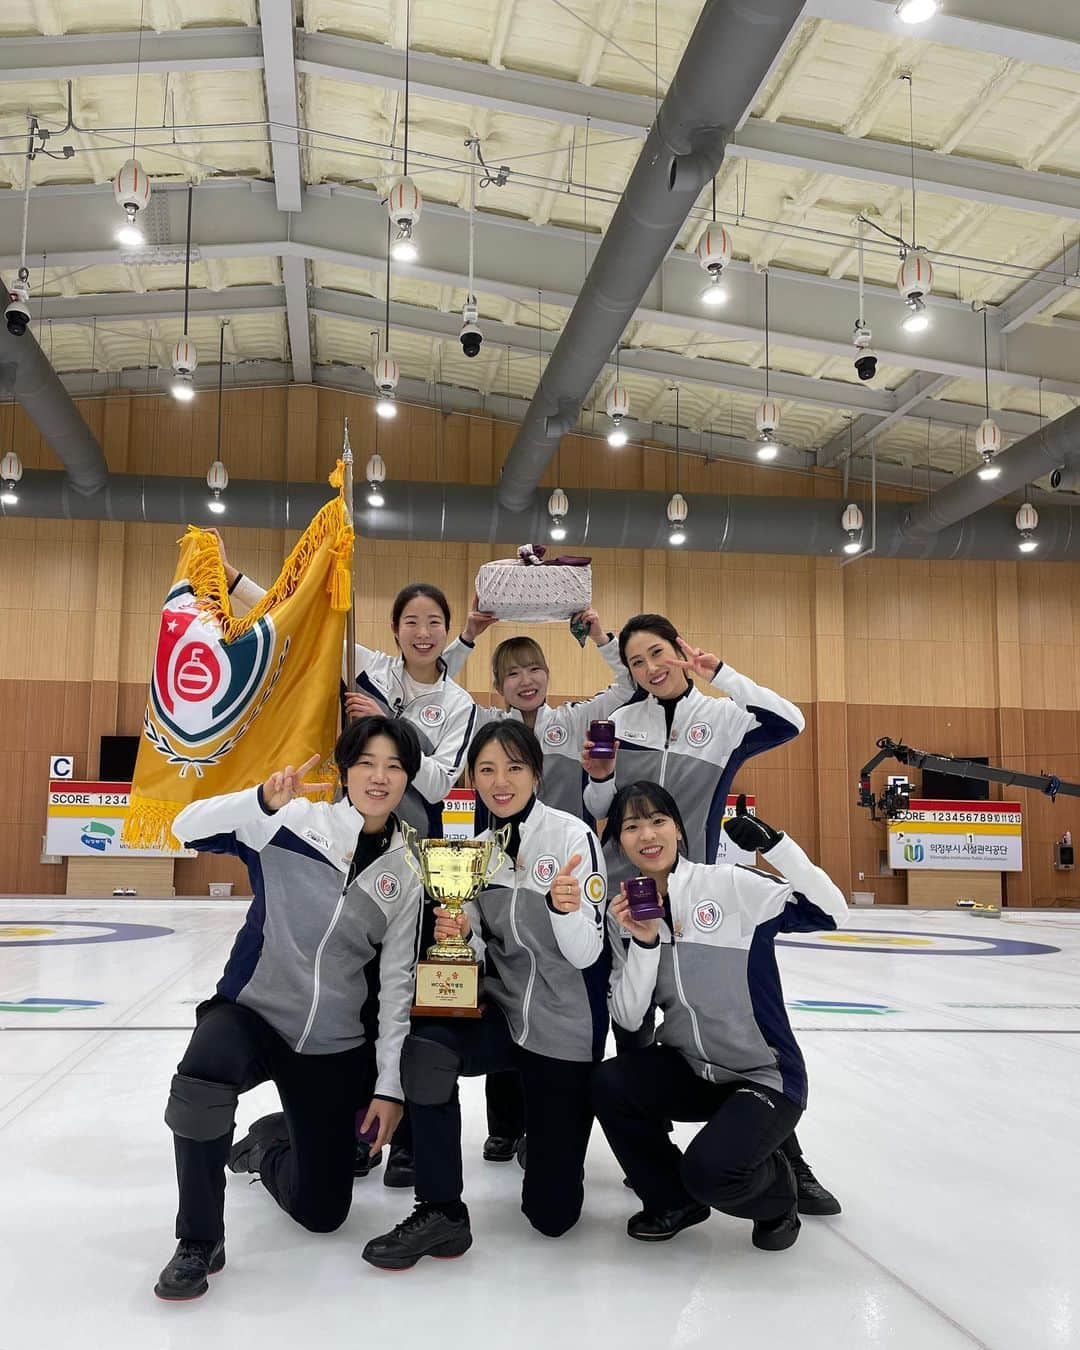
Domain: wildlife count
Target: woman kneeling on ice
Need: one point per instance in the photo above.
(335, 906)
(725, 1053)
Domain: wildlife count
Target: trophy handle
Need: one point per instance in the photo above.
(409, 834)
(499, 840)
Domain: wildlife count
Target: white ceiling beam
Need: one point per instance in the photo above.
(73, 55)
(278, 42)
(1043, 32)
(914, 391)
(240, 220)
(294, 275)
(1038, 294)
(480, 85)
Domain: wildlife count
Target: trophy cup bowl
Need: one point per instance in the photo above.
(451, 871)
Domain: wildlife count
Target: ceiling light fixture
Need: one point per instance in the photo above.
(617, 406)
(217, 477)
(185, 355)
(376, 476)
(988, 437)
(11, 471)
(1027, 522)
(852, 522)
(917, 11)
(767, 417)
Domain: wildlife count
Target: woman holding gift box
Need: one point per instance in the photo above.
(539, 923)
(413, 684)
(726, 1054)
(520, 674)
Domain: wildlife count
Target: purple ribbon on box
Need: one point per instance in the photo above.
(533, 555)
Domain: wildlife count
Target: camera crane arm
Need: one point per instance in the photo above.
(1047, 783)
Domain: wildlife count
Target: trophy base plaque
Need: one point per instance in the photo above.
(447, 989)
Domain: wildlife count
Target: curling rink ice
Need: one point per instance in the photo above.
(944, 1060)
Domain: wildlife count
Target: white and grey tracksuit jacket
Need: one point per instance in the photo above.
(310, 941)
(547, 971)
(561, 731)
(444, 718)
(710, 739)
(713, 971)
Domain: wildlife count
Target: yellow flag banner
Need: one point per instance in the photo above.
(233, 699)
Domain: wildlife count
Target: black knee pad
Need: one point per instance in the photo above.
(429, 1071)
(199, 1109)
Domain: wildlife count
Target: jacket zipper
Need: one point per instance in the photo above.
(532, 961)
(686, 1004)
(316, 980)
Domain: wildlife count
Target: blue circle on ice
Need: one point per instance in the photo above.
(909, 942)
(38, 932)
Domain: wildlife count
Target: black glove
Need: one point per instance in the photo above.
(750, 832)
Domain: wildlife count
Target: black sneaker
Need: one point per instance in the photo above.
(663, 1227)
(499, 1148)
(426, 1232)
(777, 1235)
(247, 1155)
(813, 1197)
(186, 1274)
(400, 1169)
(364, 1161)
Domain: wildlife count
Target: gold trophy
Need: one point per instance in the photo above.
(452, 871)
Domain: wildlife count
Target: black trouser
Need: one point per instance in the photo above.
(637, 1040)
(505, 1103)
(733, 1163)
(558, 1118)
(311, 1175)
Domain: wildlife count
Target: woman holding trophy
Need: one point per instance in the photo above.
(539, 924)
(701, 949)
(335, 909)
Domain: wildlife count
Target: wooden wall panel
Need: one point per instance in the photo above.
(952, 656)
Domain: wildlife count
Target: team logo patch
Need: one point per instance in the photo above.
(200, 687)
(595, 888)
(433, 714)
(707, 916)
(545, 870)
(387, 886)
(555, 736)
(699, 734)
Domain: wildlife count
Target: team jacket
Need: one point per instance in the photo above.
(715, 976)
(561, 731)
(309, 942)
(548, 972)
(710, 738)
(444, 718)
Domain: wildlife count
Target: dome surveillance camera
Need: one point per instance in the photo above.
(17, 313)
(471, 336)
(865, 357)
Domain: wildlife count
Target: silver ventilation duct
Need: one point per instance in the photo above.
(597, 518)
(728, 56)
(36, 386)
(1040, 453)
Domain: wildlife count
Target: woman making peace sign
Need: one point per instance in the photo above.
(540, 923)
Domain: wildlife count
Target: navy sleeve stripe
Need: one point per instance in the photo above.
(247, 946)
(594, 860)
(466, 738)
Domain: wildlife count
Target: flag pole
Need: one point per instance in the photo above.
(350, 618)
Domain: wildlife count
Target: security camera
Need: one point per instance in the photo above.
(865, 357)
(17, 313)
(1066, 479)
(471, 336)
